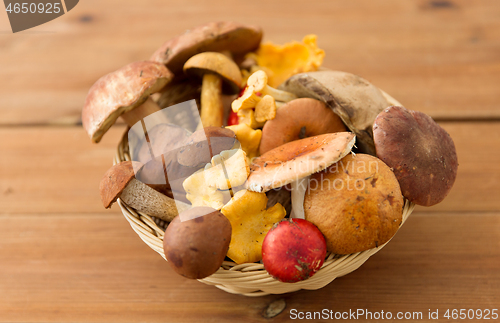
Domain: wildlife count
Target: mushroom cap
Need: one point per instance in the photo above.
(356, 101)
(297, 159)
(205, 143)
(356, 204)
(309, 114)
(165, 141)
(115, 180)
(121, 91)
(216, 37)
(215, 63)
(420, 152)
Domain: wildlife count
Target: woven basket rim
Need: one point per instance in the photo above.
(251, 279)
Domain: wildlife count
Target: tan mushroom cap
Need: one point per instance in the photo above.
(216, 37)
(298, 119)
(356, 204)
(115, 180)
(298, 159)
(121, 91)
(218, 64)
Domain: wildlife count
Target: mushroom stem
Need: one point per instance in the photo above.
(212, 110)
(299, 188)
(278, 95)
(147, 108)
(145, 199)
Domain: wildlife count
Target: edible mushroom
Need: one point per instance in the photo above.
(356, 203)
(214, 68)
(355, 100)
(124, 92)
(298, 119)
(215, 37)
(120, 182)
(204, 144)
(297, 159)
(421, 153)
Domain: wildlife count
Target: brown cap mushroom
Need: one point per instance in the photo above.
(356, 101)
(297, 159)
(421, 153)
(215, 37)
(214, 68)
(298, 119)
(125, 93)
(356, 203)
(204, 144)
(158, 154)
(119, 182)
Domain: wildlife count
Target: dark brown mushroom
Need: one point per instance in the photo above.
(420, 152)
(214, 37)
(205, 143)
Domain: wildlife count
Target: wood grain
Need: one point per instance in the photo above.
(58, 170)
(439, 57)
(75, 267)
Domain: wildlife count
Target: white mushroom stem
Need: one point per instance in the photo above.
(145, 199)
(278, 95)
(147, 108)
(299, 188)
(212, 109)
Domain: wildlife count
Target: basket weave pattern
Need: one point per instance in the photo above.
(249, 279)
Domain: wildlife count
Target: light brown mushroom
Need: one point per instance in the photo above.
(355, 100)
(214, 68)
(356, 204)
(125, 92)
(215, 37)
(298, 119)
(120, 182)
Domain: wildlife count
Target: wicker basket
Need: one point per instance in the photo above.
(250, 279)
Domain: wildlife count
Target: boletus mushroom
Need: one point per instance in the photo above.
(126, 93)
(356, 203)
(196, 242)
(356, 101)
(214, 69)
(420, 152)
(120, 182)
(212, 37)
(204, 144)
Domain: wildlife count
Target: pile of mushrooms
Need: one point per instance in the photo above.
(305, 140)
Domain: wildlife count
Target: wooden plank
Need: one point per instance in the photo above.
(72, 268)
(440, 57)
(57, 169)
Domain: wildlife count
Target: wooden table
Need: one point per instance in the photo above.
(63, 258)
